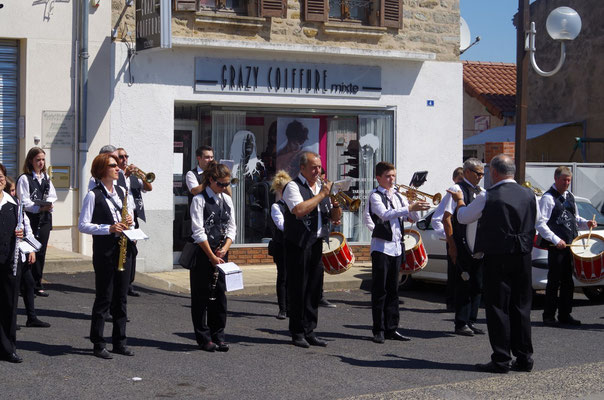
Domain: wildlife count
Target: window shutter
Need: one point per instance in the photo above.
(273, 8)
(391, 13)
(316, 10)
(185, 5)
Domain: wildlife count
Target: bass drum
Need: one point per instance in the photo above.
(588, 256)
(416, 257)
(337, 256)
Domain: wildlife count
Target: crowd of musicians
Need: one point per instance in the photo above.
(489, 236)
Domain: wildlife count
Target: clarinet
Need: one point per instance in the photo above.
(18, 240)
(216, 273)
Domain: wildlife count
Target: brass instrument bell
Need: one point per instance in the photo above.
(412, 194)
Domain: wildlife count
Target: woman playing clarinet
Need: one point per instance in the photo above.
(101, 217)
(214, 230)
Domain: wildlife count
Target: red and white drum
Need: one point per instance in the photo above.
(337, 255)
(416, 257)
(588, 256)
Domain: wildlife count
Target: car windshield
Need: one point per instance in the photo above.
(587, 211)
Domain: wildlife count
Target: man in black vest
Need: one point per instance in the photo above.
(559, 225)
(307, 219)
(466, 274)
(506, 215)
(387, 209)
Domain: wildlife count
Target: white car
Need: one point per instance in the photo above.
(436, 269)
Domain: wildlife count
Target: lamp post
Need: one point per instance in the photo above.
(562, 24)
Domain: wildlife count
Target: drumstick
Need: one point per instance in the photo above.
(590, 228)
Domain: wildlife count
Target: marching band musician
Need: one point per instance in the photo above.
(101, 216)
(35, 184)
(214, 229)
(306, 223)
(558, 225)
(107, 149)
(387, 209)
(466, 276)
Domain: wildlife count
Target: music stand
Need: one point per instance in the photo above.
(418, 178)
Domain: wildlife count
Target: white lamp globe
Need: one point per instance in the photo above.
(563, 23)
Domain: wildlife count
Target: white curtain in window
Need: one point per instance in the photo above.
(225, 124)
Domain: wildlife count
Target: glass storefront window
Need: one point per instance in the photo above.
(260, 142)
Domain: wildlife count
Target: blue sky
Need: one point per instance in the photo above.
(492, 21)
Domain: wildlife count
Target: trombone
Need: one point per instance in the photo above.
(351, 204)
(412, 194)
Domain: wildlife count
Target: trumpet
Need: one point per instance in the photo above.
(148, 177)
(412, 194)
(351, 204)
(536, 190)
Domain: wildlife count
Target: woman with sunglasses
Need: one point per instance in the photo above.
(101, 217)
(35, 185)
(213, 224)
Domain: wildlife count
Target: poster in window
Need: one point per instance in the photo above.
(481, 123)
(295, 136)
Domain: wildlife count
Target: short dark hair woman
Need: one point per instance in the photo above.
(214, 229)
(101, 217)
(35, 185)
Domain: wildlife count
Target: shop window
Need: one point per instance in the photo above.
(350, 10)
(387, 13)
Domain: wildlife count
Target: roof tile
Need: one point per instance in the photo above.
(492, 83)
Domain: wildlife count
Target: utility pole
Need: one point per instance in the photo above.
(522, 65)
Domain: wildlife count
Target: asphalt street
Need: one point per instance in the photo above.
(262, 364)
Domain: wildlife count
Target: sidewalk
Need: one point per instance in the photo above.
(257, 279)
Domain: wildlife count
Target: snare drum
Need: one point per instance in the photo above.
(588, 256)
(416, 257)
(337, 255)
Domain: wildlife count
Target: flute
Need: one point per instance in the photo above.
(18, 240)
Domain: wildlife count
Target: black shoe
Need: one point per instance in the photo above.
(378, 338)
(13, 358)
(209, 347)
(282, 315)
(464, 331)
(132, 293)
(549, 321)
(315, 341)
(222, 346)
(123, 350)
(41, 293)
(325, 303)
(300, 342)
(477, 331)
(522, 366)
(102, 353)
(569, 320)
(36, 323)
(492, 368)
(397, 336)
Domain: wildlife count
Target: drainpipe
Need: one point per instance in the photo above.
(83, 106)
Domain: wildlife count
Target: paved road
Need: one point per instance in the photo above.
(263, 365)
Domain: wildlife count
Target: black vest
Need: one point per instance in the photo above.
(459, 229)
(38, 191)
(507, 225)
(137, 194)
(277, 233)
(383, 229)
(302, 232)
(215, 220)
(8, 224)
(563, 221)
(199, 181)
(104, 245)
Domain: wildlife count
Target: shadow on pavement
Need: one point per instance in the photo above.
(58, 314)
(404, 363)
(52, 350)
(166, 346)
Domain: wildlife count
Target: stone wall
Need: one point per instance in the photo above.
(430, 26)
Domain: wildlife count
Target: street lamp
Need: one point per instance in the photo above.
(562, 24)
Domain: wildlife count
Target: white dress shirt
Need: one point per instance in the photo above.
(86, 226)
(23, 192)
(546, 206)
(197, 223)
(277, 216)
(293, 197)
(191, 179)
(392, 247)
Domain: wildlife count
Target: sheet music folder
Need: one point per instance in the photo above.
(233, 276)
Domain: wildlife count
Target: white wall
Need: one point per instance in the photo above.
(428, 138)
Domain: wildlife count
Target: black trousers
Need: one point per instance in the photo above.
(508, 296)
(27, 290)
(42, 233)
(133, 269)
(559, 276)
(384, 291)
(279, 259)
(467, 294)
(111, 295)
(304, 277)
(8, 307)
(450, 288)
(209, 316)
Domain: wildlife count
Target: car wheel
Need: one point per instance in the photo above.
(594, 293)
(406, 282)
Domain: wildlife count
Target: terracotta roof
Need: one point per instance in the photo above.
(493, 84)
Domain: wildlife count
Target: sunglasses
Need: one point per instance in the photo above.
(477, 173)
(223, 185)
(111, 165)
(126, 156)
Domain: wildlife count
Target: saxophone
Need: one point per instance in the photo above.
(123, 238)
